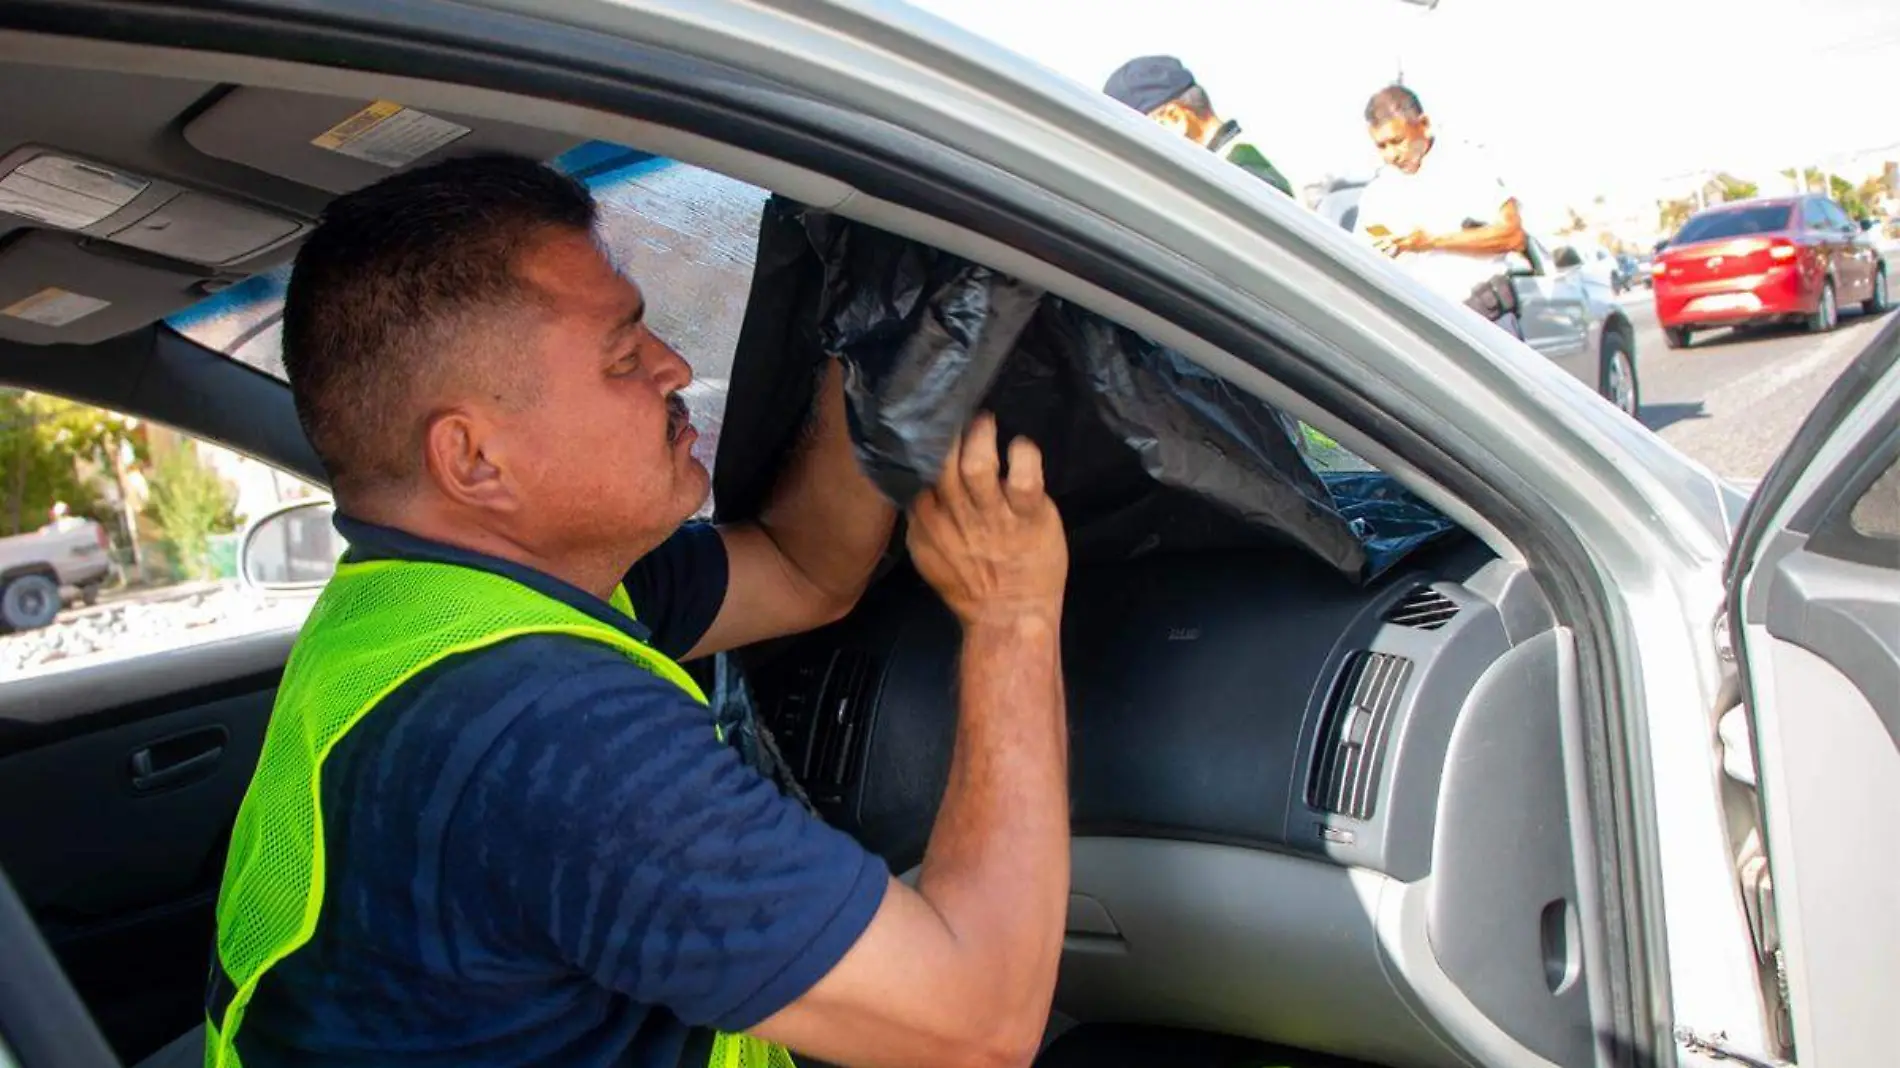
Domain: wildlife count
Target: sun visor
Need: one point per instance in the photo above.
(52, 291)
(340, 145)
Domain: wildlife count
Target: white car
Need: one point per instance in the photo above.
(1607, 779)
(38, 568)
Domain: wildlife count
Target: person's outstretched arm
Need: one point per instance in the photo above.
(1502, 234)
(961, 970)
(810, 554)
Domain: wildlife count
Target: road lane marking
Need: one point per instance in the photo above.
(1778, 376)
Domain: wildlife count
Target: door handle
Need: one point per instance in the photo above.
(177, 760)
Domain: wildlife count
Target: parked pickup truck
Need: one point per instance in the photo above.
(38, 570)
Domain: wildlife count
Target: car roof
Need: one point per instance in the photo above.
(1759, 202)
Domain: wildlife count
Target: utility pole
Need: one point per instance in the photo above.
(17, 496)
(1399, 61)
(127, 510)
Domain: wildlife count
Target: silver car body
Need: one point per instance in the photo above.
(1628, 537)
(1567, 311)
(1624, 513)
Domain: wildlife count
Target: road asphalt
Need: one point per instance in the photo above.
(1734, 401)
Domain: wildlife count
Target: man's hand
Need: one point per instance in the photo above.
(961, 970)
(991, 545)
(1416, 241)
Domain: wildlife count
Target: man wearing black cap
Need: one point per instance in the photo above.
(1165, 91)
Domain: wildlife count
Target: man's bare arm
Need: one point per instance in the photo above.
(1504, 234)
(809, 556)
(961, 970)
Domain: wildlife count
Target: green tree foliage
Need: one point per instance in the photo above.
(1850, 197)
(189, 503)
(1733, 188)
(1870, 193)
(1722, 189)
(1671, 214)
(43, 441)
(1859, 201)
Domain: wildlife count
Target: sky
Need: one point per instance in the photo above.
(1617, 98)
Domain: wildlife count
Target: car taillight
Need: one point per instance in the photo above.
(1782, 250)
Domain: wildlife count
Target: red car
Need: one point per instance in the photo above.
(1762, 261)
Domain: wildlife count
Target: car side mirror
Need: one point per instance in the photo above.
(294, 548)
(1866, 225)
(1567, 258)
(1520, 265)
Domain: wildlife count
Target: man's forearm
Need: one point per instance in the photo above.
(1484, 240)
(825, 516)
(1505, 234)
(997, 866)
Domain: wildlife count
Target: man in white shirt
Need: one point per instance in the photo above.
(1437, 206)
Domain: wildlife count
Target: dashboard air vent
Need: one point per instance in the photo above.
(844, 693)
(1423, 609)
(1353, 735)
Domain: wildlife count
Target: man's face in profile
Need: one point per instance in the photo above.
(1403, 142)
(1175, 119)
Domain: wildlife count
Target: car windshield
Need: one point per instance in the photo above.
(1735, 222)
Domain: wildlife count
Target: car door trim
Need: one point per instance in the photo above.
(42, 709)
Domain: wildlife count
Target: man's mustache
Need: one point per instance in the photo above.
(678, 416)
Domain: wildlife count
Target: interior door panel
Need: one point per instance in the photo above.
(129, 777)
(1816, 577)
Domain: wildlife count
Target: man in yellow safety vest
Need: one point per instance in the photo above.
(493, 822)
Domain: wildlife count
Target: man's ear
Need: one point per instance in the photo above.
(463, 460)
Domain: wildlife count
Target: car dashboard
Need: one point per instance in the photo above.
(1305, 810)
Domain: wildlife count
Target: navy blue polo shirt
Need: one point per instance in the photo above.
(539, 853)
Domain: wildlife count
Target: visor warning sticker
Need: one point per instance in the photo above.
(389, 135)
(54, 307)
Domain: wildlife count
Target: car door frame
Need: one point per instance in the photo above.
(1859, 248)
(1814, 611)
(1853, 280)
(1843, 262)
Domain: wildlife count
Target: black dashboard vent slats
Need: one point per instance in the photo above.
(835, 726)
(1422, 609)
(1359, 713)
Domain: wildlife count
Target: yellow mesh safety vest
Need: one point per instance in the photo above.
(377, 625)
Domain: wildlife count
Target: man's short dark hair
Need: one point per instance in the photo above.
(1393, 102)
(398, 282)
